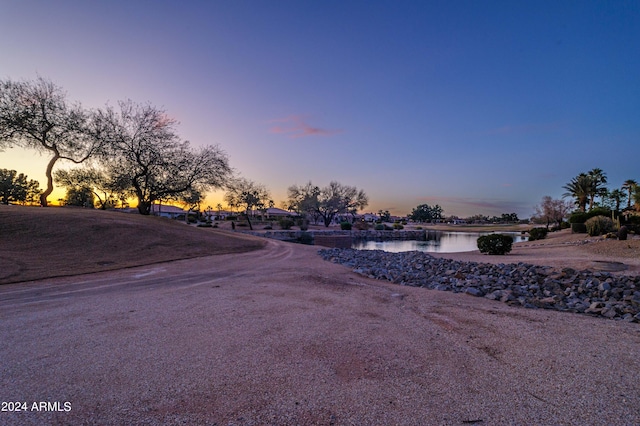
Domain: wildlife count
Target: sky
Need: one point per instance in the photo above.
(482, 107)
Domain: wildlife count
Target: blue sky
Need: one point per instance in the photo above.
(479, 106)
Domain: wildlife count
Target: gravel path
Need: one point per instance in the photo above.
(280, 337)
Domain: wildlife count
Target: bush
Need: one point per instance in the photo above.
(345, 226)
(599, 225)
(633, 220)
(578, 217)
(582, 217)
(305, 238)
(398, 226)
(495, 244)
(285, 223)
(537, 234)
(379, 227)
(578, 228)
(361, 225)
(622, 233)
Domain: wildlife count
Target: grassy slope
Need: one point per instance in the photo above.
(38, 243)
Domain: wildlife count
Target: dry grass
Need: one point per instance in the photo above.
(38, 243)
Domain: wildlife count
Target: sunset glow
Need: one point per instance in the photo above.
(483, 108)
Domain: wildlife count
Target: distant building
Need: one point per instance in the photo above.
(273, 212)
(170, 212)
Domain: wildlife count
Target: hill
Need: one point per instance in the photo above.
(38, 243)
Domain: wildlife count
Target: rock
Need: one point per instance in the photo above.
(596, 293)
(603, 286)
(474, 291)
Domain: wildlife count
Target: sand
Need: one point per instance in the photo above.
(277, 336)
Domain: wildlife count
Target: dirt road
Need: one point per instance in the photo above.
(278, 336)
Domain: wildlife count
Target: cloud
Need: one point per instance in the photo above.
(296, 126)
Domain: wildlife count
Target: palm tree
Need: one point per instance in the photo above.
(629, 185)
(579, 188)
(617, 196)
(598, 179)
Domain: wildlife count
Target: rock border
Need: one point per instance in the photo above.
(596, 293)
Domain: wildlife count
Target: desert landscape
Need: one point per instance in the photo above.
(132, 320)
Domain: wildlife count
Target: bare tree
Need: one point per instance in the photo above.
(553, 211)
(327, 202)
(304, 200)
(144, 154)
(36, 115)
(247, 195)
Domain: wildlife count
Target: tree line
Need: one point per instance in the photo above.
(589, 190)
(129, 151)
(134, 151)
(586, 192)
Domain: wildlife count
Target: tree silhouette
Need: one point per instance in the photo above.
(36, 115)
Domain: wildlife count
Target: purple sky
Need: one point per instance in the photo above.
(481, 107)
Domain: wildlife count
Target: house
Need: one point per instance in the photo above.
(170, 212)
(218, 214)
(276, 212)
(368, 217)
(273, 212)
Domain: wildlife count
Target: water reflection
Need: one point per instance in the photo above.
(436, 241)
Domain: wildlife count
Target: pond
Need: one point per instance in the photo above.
(437, 241)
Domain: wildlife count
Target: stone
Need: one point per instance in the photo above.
(474, 291)
(517, 284)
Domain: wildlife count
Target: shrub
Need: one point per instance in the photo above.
(398, 226)
(361, 225)
(633, 220)
(599, 225)
(582, 217)
(578, 228)
(302, 223)
(578, 217)
(537, 234)
(495, 244)
(622, 233)
(231, 218)
(305, 238)
(345, 226)
(285, 223)
(379, 227)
